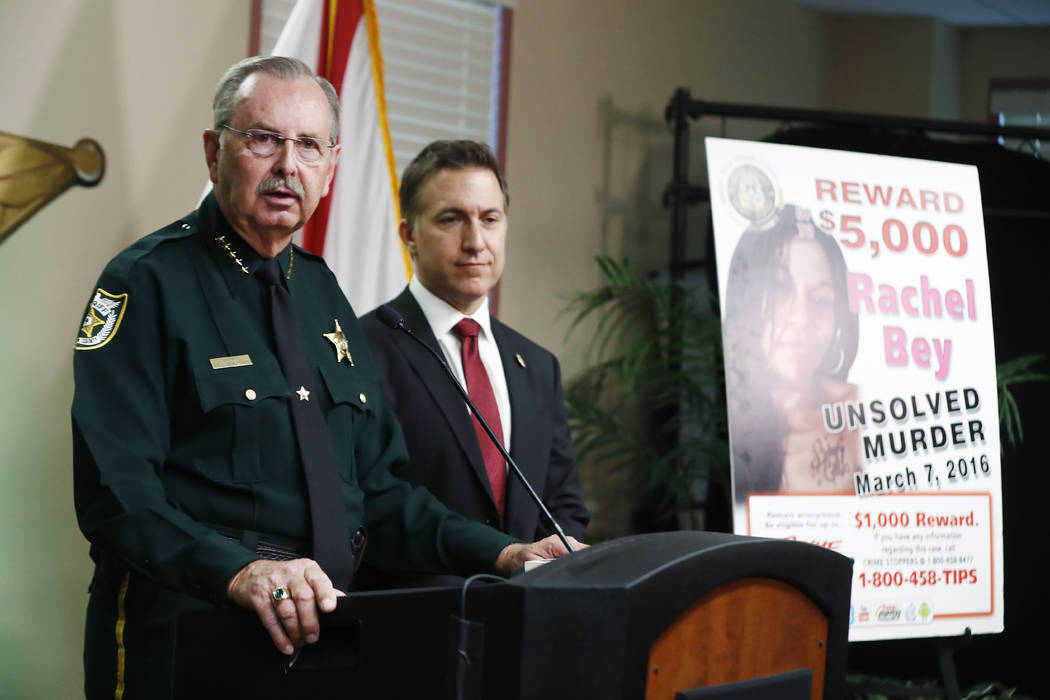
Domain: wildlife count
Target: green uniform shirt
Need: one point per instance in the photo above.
(181, 419)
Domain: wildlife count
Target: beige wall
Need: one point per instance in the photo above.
(567, 57)
(945, 74)
(137, 77)
(989, 53)
(904, 66)
(885, 65)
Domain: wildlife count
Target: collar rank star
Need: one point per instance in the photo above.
(304, 393)
(342, 347)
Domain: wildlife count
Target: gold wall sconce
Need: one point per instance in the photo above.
(32, 173)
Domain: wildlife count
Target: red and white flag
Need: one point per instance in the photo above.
(355, 227)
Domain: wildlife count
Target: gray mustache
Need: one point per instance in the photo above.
(275, 183)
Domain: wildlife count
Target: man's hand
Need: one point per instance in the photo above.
(515, 555)
(292, 621)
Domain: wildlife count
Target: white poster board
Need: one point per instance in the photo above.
(860, 375)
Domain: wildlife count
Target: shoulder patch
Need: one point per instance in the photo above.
(101, 320)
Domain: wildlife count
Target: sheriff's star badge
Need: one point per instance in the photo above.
(342, 348)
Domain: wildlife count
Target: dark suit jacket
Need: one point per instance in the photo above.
(442, 445)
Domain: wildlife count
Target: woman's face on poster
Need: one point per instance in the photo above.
(802, 321)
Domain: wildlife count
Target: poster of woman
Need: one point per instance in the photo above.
(790, 341)
(860, 375)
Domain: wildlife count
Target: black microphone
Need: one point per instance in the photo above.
(390, 317)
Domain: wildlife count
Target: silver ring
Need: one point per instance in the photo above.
(279, 594)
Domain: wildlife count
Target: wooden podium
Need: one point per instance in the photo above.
(648, 616)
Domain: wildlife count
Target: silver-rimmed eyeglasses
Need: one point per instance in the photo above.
(265, 143)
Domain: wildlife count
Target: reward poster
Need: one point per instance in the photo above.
(860, 375)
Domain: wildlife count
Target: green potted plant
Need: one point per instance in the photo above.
(650, 404)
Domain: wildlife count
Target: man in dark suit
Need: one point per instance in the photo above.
(454, 205)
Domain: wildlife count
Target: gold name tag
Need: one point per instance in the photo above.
(232, 361)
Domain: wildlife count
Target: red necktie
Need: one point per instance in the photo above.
(480, 389)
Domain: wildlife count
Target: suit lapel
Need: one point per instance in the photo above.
(523, 411)
(438, 384)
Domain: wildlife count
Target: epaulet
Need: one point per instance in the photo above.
(175, 231)
(299, 250)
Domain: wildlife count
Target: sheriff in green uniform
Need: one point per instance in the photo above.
(189, 478)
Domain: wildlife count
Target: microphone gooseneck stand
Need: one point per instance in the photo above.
(389, 316)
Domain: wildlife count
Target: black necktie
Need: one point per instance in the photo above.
(331, 538)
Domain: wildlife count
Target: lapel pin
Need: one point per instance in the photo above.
(519, 358)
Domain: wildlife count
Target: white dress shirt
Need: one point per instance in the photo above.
(442, 318)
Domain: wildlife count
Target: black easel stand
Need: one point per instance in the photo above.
(946, 648)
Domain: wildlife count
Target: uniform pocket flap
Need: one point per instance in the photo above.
(351, 388)
(244, 386)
